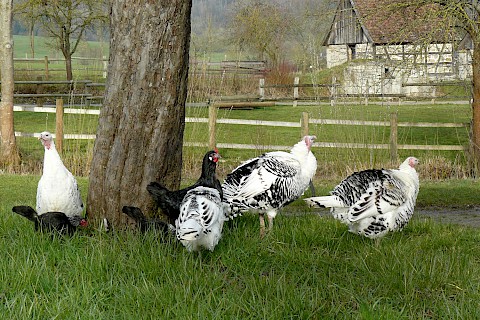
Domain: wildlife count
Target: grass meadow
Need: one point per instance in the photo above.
(309, 267)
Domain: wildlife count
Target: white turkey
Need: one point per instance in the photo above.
(270, 181)
(376, 201)
(57, 189)
(201, 219)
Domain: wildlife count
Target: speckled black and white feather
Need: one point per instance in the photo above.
(201, 219)
(374, 202)
(169, 201)
(270, 181)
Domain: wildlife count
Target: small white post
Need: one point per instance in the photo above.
(333, 91)
(105, 66)
(261, 88)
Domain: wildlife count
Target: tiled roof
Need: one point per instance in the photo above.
(387, 21)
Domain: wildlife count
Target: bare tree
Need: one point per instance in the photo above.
(261, 27)
(140, 133)
(65, 21)
(27, 11)
(9, 154)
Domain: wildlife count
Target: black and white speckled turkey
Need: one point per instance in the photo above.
(169, 201)
(57, 189)
(201, 219)
(51, 221)
(374, 202)
(270, 181)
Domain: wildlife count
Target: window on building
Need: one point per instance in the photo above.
(352, 54)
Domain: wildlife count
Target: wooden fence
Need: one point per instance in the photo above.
(302, 124)
(46, 70)
(89, 93)
(97, 65)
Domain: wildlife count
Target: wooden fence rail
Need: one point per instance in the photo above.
(303, 124)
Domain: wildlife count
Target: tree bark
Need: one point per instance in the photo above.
(9, 156)
(476, 104)
(140, 132)
(68, 67)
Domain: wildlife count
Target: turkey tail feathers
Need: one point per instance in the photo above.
(157, 190)
(134, 213)
(26, 212)
(324, 202)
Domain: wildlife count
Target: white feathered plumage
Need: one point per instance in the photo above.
(270, 181)
(201, 219)
(57, 189)
(374, 202)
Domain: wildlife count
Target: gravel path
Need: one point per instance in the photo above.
(463, 216)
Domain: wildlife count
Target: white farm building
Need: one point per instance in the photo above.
(389, 51)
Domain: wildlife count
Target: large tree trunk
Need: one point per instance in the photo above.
(140, 133)
(9, 154)
(475, 142)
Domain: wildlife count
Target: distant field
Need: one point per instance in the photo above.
(83, 69)
(43, 47)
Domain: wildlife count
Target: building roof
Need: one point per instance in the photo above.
(386, 22)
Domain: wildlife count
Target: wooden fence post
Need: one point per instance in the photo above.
(46, 68)
(296, 81)
(393, 136)
(212, 121)
(261, 88)
(59, 125)
(39, 91)
(333, 91)
(105, 67)
(304, 124)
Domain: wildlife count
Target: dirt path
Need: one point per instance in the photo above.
(465, 216)
(461, 216)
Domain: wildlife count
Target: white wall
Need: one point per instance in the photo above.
(337, 55)
(395, 65)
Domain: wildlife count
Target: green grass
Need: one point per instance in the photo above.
(309, 267)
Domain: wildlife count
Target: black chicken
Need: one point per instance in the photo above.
(169, 201)
(145, 223)
(51, 221)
